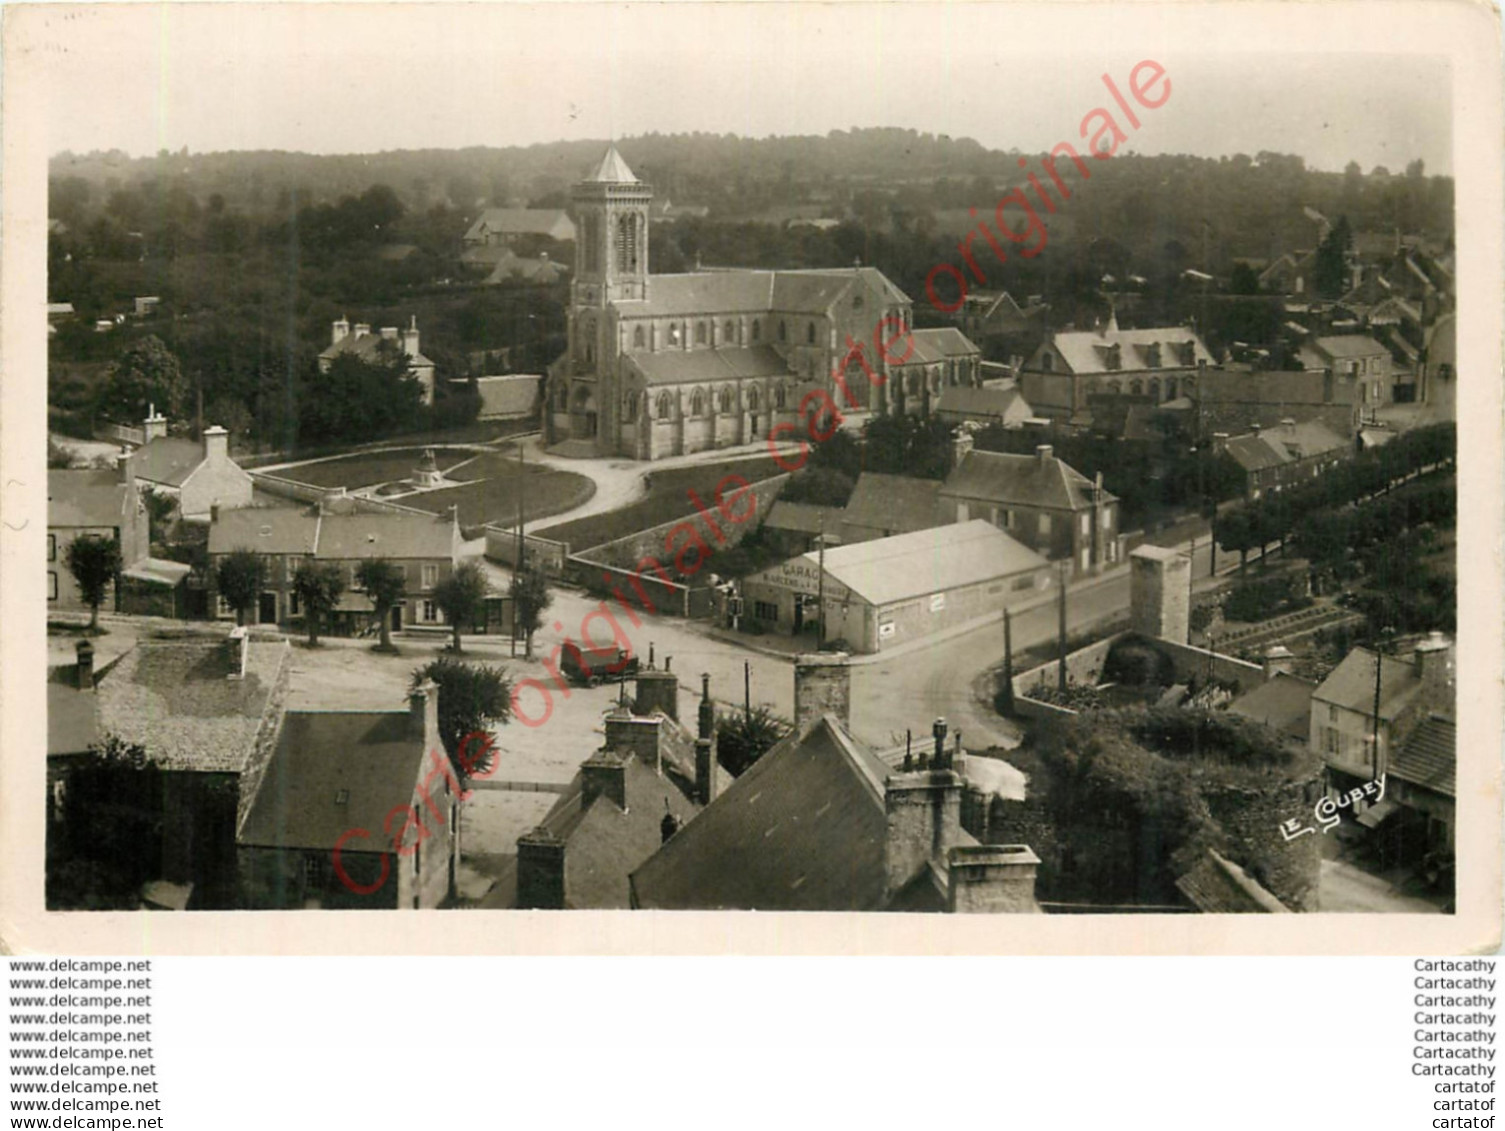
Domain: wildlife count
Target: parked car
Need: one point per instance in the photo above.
(595, 669)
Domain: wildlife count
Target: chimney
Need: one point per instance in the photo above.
(1327, 385)
(923, 818)
(85, 652)
(362, 329)
(1277, 660)
(961, 444)
(540, 871)
(216, 446)
(657, 691)
(822, 686)
(341, 331)
(423, 711)
(706, 769)
(125, 469)
(938, 732)
(1434, 664)
(389, 334)
(1044, 453)
(154, 426)
(238, 651)
(642, 737)
(604, 774)
(410, 338)
(1288, 425)
(990, 878)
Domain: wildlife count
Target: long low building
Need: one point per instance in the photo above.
(885, 592)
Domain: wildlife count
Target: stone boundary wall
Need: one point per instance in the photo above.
(501, 547)
(266, 738)
(654, 542)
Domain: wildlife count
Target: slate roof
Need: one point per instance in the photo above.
(1429, 756)
(514, 268)
(372, 758)
(1283, 444)
(803, 518)
(344, 536)
(611, 170)
(86, 498)
(267, 530)
(1284, 704)
(1343, 346)
(519, 221)
(1215, 885)
(366, 347)
(688, 367)
(1020, 481)
(1269, 387)
(513, 395)
(745, 291)
(168, 460)
(72, 714)
(1351, 684)
(964, 400)
(1085, 351)
(931, 346)
(174, 698)
(604, 843)
(892, 569)
(893, 504)
(802, 830)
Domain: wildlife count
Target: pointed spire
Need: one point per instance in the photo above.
(612, 170)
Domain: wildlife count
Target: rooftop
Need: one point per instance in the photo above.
(519, 221)
(86, 498)
(1020, 480)
(1351, 684)
(267, 530)
(1429, 756)
(612, 170)
(344, 536)
(168, 460)
(683, 367)
(1284, 704)
(1086, 351)
(333, 771)
(812, 291)
(969, 401)
(897, 504)
(942, 558)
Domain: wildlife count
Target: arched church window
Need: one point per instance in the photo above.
(627, 242)
(729, 332)
(1115, 387)
(727, 403)
(697, 403)
(1155, 388)
(700, 335)
(637, 337)
(783, 331)
(1136, 387)
(810, 334)
(665, 406)
(752, 399)
(631, 410)
(757, 331)
(912, 385)
(780, 396)
(674, 333)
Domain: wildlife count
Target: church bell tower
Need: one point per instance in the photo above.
(611, 237)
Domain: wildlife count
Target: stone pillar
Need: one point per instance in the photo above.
(1160, 594)
(822, 685)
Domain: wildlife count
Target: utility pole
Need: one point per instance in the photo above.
(747, 689)
(820, 587)
(1008, 662)
(1061, 675)
(1379, 665)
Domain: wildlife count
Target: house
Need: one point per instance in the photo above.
(1439, 369)
(1292, 453)
(797, 527)
(822, 823)
(206, 710)
(884, 505)
(1239, 399)
(200, 474)
(1357, 358)
(426, 547)
(983, 316)
(503, 226)
(359, 341)
(539, 272)
(1162, 363)
(1411, 737)
(1038, 499)
(965, 404)
(103, 503)
(511, 397)
(888, 591)
(1283, 703)
(322, 830)
(649, 779)
(1290, 274)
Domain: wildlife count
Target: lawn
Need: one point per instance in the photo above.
(369, 468)
(668, 499)
(542, 490)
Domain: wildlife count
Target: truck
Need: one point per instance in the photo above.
(595, 669)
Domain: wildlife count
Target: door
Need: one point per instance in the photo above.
(268, 610)
(396, 618)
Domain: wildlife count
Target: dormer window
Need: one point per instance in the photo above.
(1152, 355)
(1188, 353)
(1114, 358)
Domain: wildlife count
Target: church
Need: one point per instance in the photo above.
(665, 365)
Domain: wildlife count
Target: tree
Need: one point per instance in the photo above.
(110, 841)
(57, 455)
(473, 698)
(384, 583)
(318, 586)
(145, 375)
(160, 507)
(239, 577)
(530, 598)
(1243, 281)
(742, 737)
(460, 597)
(1331, 270)
(94, 563)
(358, 399)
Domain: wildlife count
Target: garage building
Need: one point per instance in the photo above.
(882, 593)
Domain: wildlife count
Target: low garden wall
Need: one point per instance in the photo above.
(501, 547)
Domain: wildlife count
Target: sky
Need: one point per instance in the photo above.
(324, 78)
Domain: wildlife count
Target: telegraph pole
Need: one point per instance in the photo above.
(1061, 675)
(1008, 662)
(820, 588)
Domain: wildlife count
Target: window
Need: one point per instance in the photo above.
(766, 610)
(637, 337)
(1115, 387)
(51, 585)
(293, 604)
(592, 243)
(222, 607)
(1107, 518)
(430, 575)
(727, 402)
(665, 406)
(783, 331)
(700, 334)
(1025, 582)
(1045, 526)
(430, 613)
(729, 332)
(810, 334)
(1086, 524)
(1047, 362)
(630, 405)
(313, 870)
(52, 547)
(627, 243)
(780, 396)
(1330, 740)
(697, 403)
(1136, 387)
(752, 398)
(1155, 388)
(1332, 713)
(757, 333)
